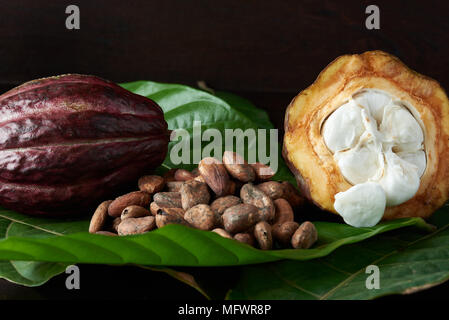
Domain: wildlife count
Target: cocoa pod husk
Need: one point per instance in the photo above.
(99, 217)
(77, 139)
(138, 198)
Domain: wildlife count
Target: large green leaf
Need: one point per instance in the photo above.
(408, 261)
(49, 240)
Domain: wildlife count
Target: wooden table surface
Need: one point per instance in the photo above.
(266, 51)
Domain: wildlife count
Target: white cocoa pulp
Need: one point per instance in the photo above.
(379, 148)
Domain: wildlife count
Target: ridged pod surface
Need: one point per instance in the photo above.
(71, 140)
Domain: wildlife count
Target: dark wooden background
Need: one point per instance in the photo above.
(266, 51)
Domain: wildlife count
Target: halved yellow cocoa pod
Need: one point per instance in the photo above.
(317, 172)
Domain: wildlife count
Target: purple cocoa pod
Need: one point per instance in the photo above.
(68, 141)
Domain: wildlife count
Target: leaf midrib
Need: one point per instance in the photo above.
(29, 224)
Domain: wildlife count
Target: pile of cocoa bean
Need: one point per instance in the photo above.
(206, 198)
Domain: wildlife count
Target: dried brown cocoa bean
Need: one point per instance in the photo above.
(200, 217)
(138, 198)
(154, 208)
(219, 205)
(174, 186)
(305, 236)
(136, 225)
(283, 232)
(183, 175)
(151, 184)
(247, 238)
(262, 233)
(193, 193)
(99, 217)
(238, 167)
(252, 195)
(168, 199)
(134, 212)
(263, 172)
(215, 175)
(240, 217)
(106, 233)
(167, 216)
(292, 195)
(273, 189)
(283, 211)
(222, 233)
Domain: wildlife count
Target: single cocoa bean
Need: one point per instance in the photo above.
(273, 189)
(200, 217)
(151, 184)
(247, 238)
(283, 211)
(193, 193)
(222, 233)
(305, 236)
(238, 167)
(99, 217)
(136, 225)
(240, 217)
(283, 232)
(262, 233)
(183, 175)
(215, 175)
(219, 205)
(252, 195)
(174, 186)
(168, 199)
(292, 195)
(138, 198)
(167, 216)
(134, 212)
(263, 172)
